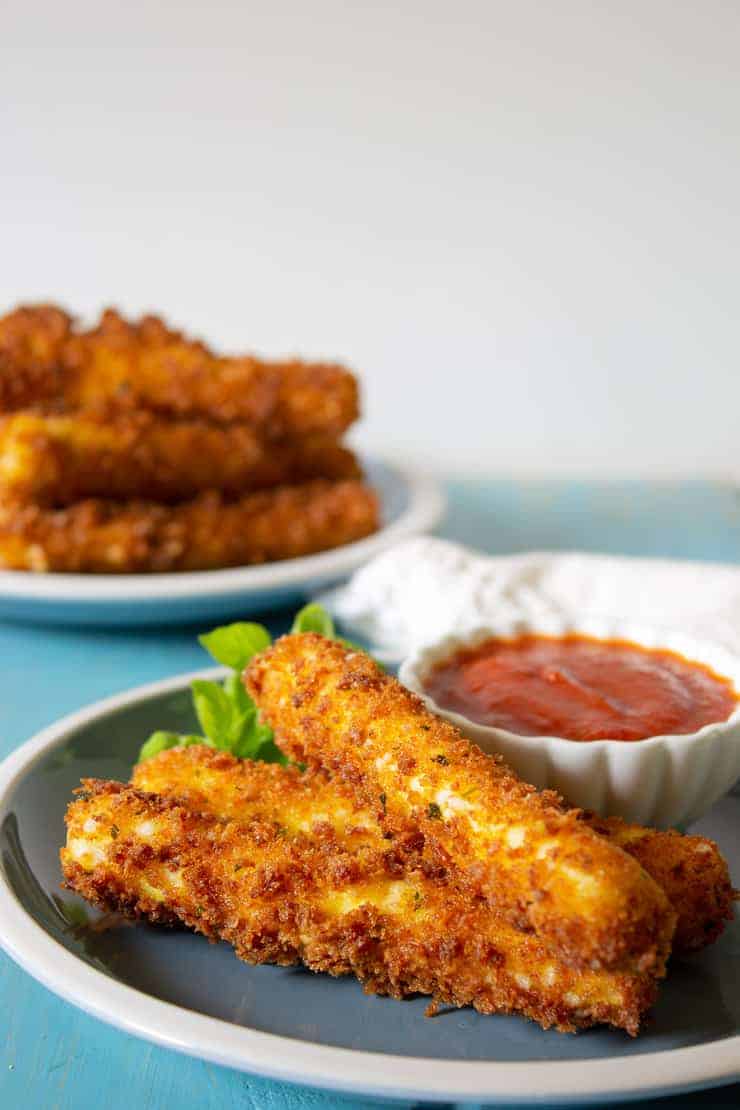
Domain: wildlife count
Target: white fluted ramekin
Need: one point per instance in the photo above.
(662, 781)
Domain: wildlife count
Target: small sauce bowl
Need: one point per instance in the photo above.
(664, 781)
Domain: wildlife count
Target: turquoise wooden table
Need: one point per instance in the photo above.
(56, 1058)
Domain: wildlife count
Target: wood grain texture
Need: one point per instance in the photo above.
(56, 1058)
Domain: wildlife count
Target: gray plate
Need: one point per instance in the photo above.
(699, 1004)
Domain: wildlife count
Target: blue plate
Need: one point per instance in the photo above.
(172, 987)
(411, 503)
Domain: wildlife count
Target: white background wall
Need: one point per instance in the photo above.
(518, 220)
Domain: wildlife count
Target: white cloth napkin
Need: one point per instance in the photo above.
(423, 588)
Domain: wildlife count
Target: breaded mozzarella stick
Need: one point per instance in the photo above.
(155, 369)
(690, 869)
(528, 855)
(146, 365)
(283, 899)
(209, 532)
(56, 460)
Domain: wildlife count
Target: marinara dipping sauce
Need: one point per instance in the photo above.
(580, 688)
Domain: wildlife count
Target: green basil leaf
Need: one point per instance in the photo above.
(242, 724)
(233, 645)
(314, 618)
(256, 742)
(214, 710)
(249, 738)
(269, 752)
(236, 693)
(188, 741)
(160, 741)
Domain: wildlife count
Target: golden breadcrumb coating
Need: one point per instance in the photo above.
(146, 365)
(210, 781)
(284, 898)
(524, 851)
(690, 869)
(107, 537)
(32, 341)
(56, 460)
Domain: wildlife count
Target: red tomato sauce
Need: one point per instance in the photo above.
(580, 688)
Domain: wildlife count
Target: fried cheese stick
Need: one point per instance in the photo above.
(281, 399)
(286, 899)
(524, 851)
(56, 460)
(690, 869)
(106, 537)
(146, 365)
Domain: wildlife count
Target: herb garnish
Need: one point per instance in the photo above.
(226, 713)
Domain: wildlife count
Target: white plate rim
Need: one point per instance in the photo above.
(274, 1056)
(425, 509)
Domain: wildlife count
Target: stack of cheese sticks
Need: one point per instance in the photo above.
(129, 447)
(399, 853)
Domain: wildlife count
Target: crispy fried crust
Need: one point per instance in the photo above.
(215, 782)
(522, 850)
(32, 341)
(690, 869)
(206, 533)
(146, 365)
(282, 898)
(56, 460)
(281, 399)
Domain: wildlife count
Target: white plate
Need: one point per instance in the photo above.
(411, 503)
(693, 1041)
